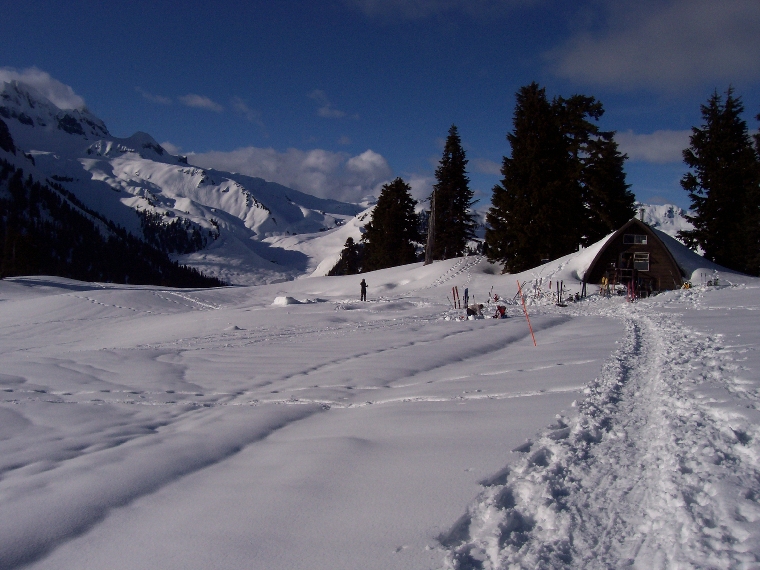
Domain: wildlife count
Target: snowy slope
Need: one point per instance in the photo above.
(666, 218)
(116, 176)
(143, 427)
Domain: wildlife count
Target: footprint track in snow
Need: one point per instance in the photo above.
(634, 479)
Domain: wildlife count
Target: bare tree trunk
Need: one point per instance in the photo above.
(431, 232)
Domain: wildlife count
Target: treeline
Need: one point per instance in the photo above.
(178, 236)
(397, 235)
(563, 186)
(44, 230)
(723, 183)
(392, 237)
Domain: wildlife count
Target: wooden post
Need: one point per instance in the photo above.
(431, 232)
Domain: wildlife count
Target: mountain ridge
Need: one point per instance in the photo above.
(120, 176)
(241, 229)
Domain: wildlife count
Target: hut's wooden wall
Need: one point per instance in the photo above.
(663, 271)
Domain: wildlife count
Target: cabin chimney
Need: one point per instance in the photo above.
(641, 214)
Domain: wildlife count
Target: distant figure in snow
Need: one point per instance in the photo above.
(363, 285)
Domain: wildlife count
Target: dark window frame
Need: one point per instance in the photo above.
(635, 239)
(641, 260)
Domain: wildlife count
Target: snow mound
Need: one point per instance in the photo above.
(283, 301)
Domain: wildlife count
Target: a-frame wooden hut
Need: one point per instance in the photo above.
(634, 256)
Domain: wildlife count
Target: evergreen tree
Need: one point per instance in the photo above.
(603, 200)
(607, 199)
(350, 262)
(753, 217)
(453, 224)
(530, 217)
(563, 186)
(722, 185)
(390, 238)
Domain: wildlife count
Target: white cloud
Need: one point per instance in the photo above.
(201, 102)
(152, 97)
(318, 172)
(62, 96)
(242, 108)
(666, 44)
(171, 148)
(367, 162)
(326, 108)
(485, 166)
(659, 147)
(422, 186)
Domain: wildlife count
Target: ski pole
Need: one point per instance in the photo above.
(525, 310)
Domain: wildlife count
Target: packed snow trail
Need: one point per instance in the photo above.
(659, 469)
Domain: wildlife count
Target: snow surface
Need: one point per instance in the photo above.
(143, 427)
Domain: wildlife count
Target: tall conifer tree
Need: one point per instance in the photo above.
(607, 199)
(722, 185)
(350, 261)
(564, 184)
(603, 199)
(753, 217)
(528, 219)
(390, 238)
(452, 224)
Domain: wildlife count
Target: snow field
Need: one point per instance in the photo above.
(659, 469)
(146, 428)
(142, 427)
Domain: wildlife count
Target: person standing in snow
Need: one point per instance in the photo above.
(363, 285)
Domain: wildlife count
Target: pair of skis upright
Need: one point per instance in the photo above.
(455, 296)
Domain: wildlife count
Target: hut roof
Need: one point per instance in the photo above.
(686, 260)
(637, 225)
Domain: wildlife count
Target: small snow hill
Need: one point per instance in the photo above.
(484, 279)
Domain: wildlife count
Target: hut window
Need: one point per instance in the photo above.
(634, 239)
(641, 261)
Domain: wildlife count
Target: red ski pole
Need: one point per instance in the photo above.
(525, 310)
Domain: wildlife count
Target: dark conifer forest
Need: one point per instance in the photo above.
(45, 230)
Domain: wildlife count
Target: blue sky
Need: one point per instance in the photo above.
(336, 97)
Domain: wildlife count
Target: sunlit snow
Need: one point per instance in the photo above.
(291, 426)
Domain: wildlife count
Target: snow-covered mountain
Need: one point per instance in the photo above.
(253, 231)
(667, 218)
(246, 222)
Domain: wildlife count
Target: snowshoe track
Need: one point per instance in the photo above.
(465, 264)
(635, 480)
